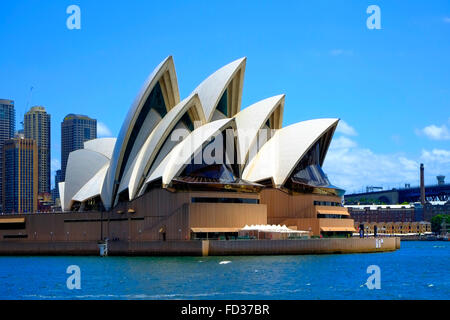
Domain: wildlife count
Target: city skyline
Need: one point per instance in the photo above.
(384, 134)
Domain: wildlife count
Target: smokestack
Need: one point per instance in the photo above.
(422, 185)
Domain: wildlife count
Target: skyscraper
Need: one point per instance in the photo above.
(55, 190)
(37, 127)
(20, 176)
(7, 128)
(75, 130)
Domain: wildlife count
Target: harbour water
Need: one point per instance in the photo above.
(419, 270)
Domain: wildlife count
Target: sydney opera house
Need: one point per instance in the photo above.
(204, 167)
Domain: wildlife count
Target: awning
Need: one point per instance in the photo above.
(332, 229)
(215, 230)
(12, 220)
(331, 211)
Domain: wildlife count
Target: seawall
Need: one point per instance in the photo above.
(202, 248)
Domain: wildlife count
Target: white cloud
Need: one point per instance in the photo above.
(434, 132)
(436, 155)
(446, 20)
(344, 128)
(353, 168)
(342, 143)
(103, 130)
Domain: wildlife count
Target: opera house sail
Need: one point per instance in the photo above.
(202, 167)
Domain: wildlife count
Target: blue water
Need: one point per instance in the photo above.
(419, 270)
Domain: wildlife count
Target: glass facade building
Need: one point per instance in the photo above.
(7, 128)
(55, 190)
(20, 175)
(75, 130)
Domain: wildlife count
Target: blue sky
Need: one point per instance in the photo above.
(391, 87)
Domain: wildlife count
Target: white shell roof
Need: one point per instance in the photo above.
(279, 156)
(251, 119)
(61, 186)
(93, 187)
(94, 170)
(212, 88)
(82, 166)
(180, 156)
(155, 141)
(105, 146)
(116, 161)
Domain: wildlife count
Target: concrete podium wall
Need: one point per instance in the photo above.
(202, 248)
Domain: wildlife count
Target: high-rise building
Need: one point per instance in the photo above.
(20, 176)
(75, 130)
(55, 190)
(7, 128)
(37, 127)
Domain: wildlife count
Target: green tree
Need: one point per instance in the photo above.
(436, 222)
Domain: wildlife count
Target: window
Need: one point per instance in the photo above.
(327, 203)
(87, 133)
(222, 106)
(224, 200)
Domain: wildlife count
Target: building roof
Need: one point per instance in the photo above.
(164, 75)
(72, 116)
(105, 146)
(6, 101)
(212, 88)
(82, 166)
(150, 147)
(252, 119)
(181, 155)
(278, 157)
(37, 109)
(92, 188)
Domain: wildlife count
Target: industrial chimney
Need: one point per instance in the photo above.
(422, 185)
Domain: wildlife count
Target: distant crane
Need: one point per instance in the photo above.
(28, 104)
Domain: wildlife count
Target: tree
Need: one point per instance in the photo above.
(437, 220)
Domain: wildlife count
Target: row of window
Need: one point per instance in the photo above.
(224, 200)
(332, 216)
(327, 203)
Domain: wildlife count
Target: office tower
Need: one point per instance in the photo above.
(422, 184)
(20, 176)
(55, 190)
(7, 128)
(37, 127)
(75, 130)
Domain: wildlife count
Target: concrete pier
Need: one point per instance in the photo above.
(202, 248)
